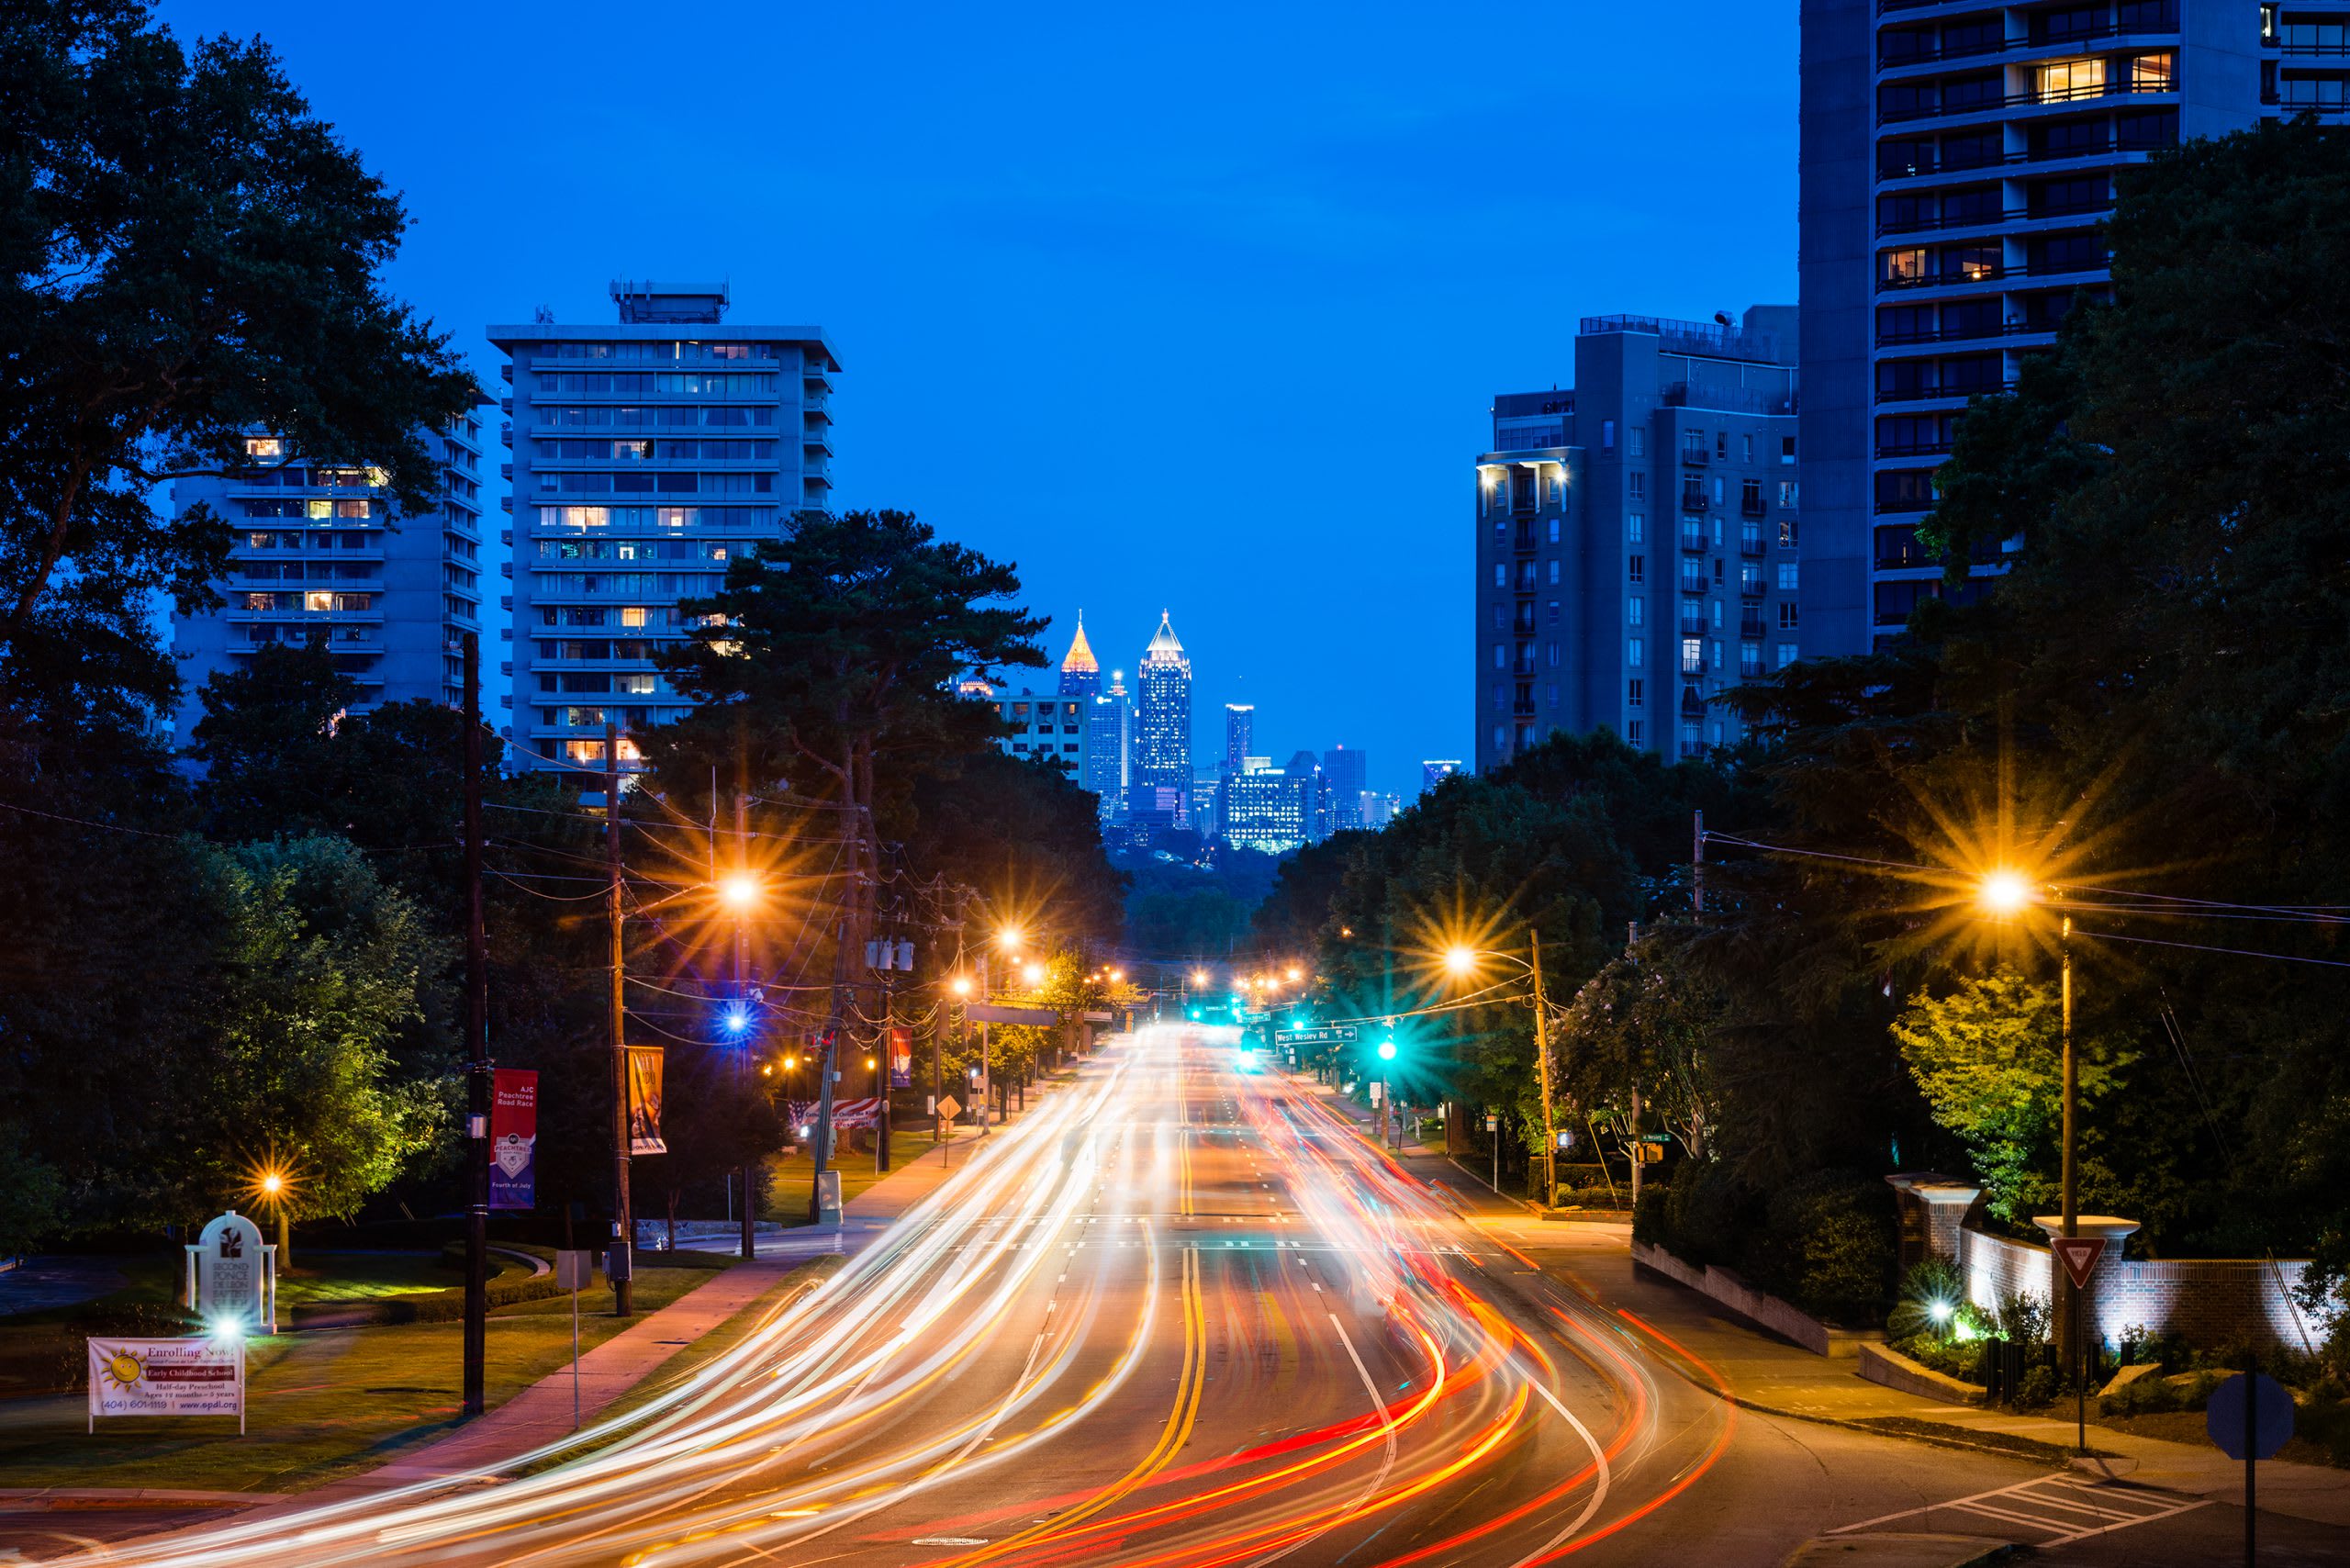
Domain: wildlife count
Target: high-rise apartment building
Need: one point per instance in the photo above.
(321, 553)
(1957, 160)
(1161, 775)
(1240, 730)
(1045, 729)
(1349, 776)
(648, 454)
(1637, 536)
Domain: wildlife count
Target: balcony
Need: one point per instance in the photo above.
(1526, 539)
(1753, 506)
(1942, 280)
(1752, 588)
(1692, 499)
(1996, 219)
(1926, 394)
(1692, 702)
(1694, 541)
(1697, 456)
(1988, 48)
(1750, 625)
(1750, 546)
(1522, 708)
(1692, 626)
(1961, 334)
(2044, 97)
(1522, 668)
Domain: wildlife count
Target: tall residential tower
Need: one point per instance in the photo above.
(647, 455)
(1637, 536)
(1958, 159)
(320, 555)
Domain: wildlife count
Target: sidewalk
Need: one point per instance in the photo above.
(1768, 1375)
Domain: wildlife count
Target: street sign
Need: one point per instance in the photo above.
(2079, 1254)
(950, 1107)
(1656, 1139)
(1492, 1123)
(1331, 1034)
(575, 1269)
(2272, 1416)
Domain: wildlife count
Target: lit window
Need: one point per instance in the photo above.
(264, 446)
(632, 615)
(2070, 79)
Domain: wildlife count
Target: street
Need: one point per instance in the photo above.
(1184, 1315)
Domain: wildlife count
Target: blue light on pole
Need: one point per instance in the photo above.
(737, 1020)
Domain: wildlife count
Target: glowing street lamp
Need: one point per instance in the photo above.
(960, 985)
(2004, 893)
(739, 891)
(1463, 961)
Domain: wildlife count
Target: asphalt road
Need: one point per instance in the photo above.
(1183, 1316)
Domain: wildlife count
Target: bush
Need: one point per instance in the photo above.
(2024, 1318)
(1828, 1245)
(1705, 1215)
(2038, 1389)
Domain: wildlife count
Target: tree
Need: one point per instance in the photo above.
(191, 255)
(1986, 1056)
(1647, 1023)
(320, 1060)
(830, 659)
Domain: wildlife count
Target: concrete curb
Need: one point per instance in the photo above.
(131, 1496)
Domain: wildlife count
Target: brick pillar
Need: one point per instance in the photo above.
(1941, 1203)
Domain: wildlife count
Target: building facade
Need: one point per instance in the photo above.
(647, 454)
(1266, 808)
(1239, 730)
(1957, 161)
(321, 553)
(1109, 745)
(1046, 729)
(1161, 774)
(1081, 671)
(1638, 538)
(1435, 770)
(1349, 776)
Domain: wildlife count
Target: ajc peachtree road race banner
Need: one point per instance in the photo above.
(513, 1138)
(167, 1377)
(645, 1101)
(902, 1059)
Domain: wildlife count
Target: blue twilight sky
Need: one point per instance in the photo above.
(1196, 308)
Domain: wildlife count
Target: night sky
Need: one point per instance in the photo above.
(1196, 308)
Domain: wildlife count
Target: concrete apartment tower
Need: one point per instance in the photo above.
(1637, 535)
(648, 454)
(321, 553)
(1957, 160)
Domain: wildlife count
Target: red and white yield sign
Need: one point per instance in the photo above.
(2079, 1254)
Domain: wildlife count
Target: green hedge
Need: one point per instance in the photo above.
(1825, 1242)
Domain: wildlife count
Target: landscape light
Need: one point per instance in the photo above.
(1940, 1311)
(228, 1329)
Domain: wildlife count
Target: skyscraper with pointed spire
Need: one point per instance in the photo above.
(1081, 671)
(1162, 761)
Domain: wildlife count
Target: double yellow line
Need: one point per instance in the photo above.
(1171, 1439)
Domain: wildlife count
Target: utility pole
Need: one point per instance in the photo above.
(884, 1068)
(622, 1265)
(1636, 1147)
(824, 1057)
(742, 1000)
(1697, 864)
(1542, 1056)
(2072, 1206)
(477, 1081)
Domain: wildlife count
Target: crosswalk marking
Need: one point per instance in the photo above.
(2057, 1509)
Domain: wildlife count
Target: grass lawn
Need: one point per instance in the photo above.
(319, 1405)
(788, 1179)
(2186, 1426)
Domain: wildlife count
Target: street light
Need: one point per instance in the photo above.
(1463, 961)
(960, 985)
(739, 891)
(2003, 894)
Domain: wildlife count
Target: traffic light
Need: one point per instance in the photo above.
(1387, 1048)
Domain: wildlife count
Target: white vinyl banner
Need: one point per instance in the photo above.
(168, 1377)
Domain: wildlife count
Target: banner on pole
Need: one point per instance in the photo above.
(645, 1101)
(513, 1138)
(168, 1377)
(902, 1059)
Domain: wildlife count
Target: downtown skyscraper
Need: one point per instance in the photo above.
(1161, 775)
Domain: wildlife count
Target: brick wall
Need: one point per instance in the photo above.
(2204, 1301)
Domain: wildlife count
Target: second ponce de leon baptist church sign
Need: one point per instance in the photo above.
(230, 1272)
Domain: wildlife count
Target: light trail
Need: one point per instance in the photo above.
(1086, 1344)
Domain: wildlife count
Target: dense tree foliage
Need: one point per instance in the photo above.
(189, 254)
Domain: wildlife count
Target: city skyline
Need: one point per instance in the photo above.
(970, 248)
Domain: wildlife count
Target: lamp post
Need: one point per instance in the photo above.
(2003, 895)
(1463, 961)
(739, 891)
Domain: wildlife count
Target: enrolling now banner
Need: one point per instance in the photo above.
(513, 1138)
(168, 1377)
(645, 1101)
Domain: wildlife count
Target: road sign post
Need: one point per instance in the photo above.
(2249, 1417)
(574, 1270)
(2079, 1255)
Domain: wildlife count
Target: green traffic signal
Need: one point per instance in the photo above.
(1386, 1050)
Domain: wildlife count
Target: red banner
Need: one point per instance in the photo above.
(902, 1059)
(513, 1138)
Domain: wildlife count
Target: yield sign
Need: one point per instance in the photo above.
(2079, 1255)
